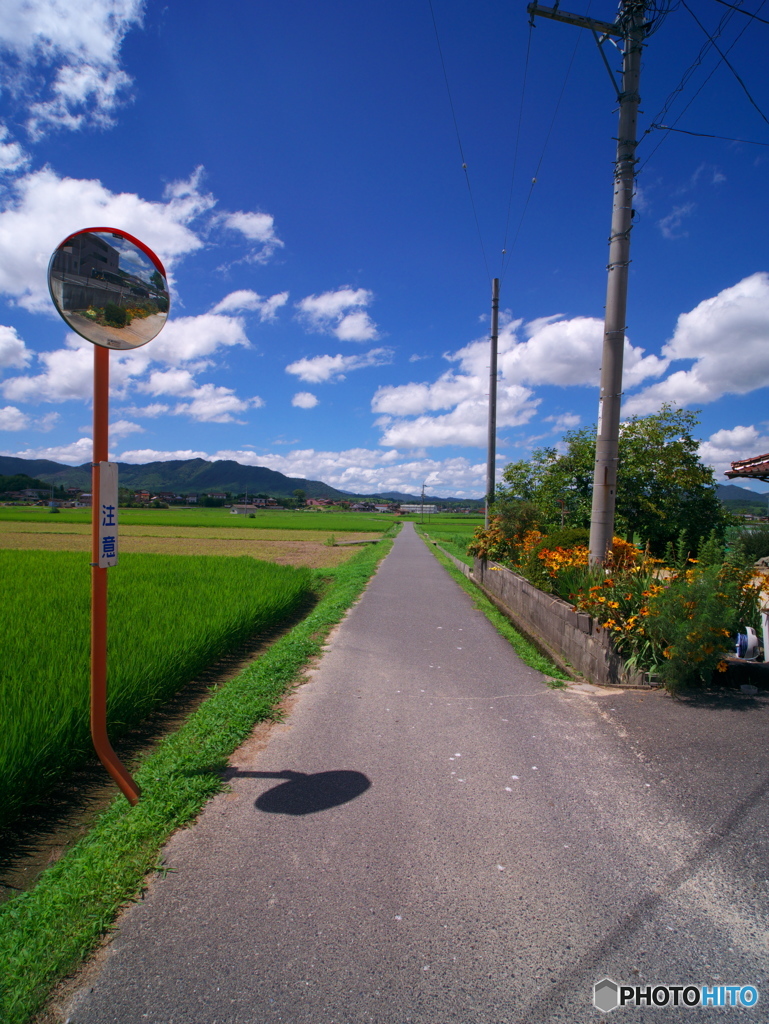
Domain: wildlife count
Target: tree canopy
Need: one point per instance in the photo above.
(662, 486)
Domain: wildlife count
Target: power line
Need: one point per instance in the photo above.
(706, 135)
(687, 75)
(517, 143)
(507, 253)
(726, 61)
(459, 141)
(749, 14)
(696, 63)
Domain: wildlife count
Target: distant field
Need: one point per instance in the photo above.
(310, 548)
(453, 534)
(269, 519)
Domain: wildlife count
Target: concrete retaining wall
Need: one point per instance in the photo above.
(569, 636)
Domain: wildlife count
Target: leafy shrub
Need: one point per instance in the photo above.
(115, 315)
(755, 541)
(565, 537)
(493, 543)
(694, 616)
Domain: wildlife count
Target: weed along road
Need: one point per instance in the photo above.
(434, 835)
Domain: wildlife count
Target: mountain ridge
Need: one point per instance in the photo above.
(197, 475)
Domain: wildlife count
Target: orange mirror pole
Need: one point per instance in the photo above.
(101, 742)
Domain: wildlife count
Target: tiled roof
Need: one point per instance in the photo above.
(756, 468)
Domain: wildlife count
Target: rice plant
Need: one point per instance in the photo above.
(169, 617)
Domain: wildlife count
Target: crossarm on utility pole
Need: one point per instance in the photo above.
(580, 20)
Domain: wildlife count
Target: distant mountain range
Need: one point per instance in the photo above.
(196, 476)
(740, 499)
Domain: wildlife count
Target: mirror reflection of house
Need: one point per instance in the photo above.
(86, 273)
(77, 267)
(109, 288)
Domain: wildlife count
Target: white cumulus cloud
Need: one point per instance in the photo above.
(730, 445)
(141, 456)
(726, 338)
(248, 301)
(12, 155)
(317, 369)
(304, 400)
(188, 338)
(74, 454)
(371, 471)
(454, 408)
(212, 404)
(12, 418)
(122, 428)
(341, 312)
(182, 350)
(256, 228)
(13, 351)
(70, 51)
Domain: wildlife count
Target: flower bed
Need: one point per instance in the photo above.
(674, 619)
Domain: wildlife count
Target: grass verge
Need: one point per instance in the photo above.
(46, 932)
(526, 651)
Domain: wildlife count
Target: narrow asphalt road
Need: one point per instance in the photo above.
(435, 836)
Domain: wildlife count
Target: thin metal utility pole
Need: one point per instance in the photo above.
(491, 463)
(99, 735)
(631, 27)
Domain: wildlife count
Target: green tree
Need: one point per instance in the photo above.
(662, 487)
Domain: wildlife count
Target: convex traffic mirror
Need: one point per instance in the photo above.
(109, 287)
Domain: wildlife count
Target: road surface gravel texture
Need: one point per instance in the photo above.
(435, 836)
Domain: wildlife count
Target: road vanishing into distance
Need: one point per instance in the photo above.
(435, 836)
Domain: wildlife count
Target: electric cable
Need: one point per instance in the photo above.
(517, 143)
(749, 14)
(508, 253)
(687, 74)
(696, 63)
(707, 135)
(459, 141)
(725, 60)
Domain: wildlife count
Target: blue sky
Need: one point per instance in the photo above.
(297, 169)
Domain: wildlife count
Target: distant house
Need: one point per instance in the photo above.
(247, 510)
(318, 502)
(416, 509)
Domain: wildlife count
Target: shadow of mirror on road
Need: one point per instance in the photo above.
(306, 794)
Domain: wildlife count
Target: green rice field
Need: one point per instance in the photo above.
(453, 534)
(170, 617)
(270, 519)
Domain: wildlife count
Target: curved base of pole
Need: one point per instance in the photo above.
(119, 774)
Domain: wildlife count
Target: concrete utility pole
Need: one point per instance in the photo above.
(492, 438)
(631, 27)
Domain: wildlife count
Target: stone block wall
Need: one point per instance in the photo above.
(573, 639)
